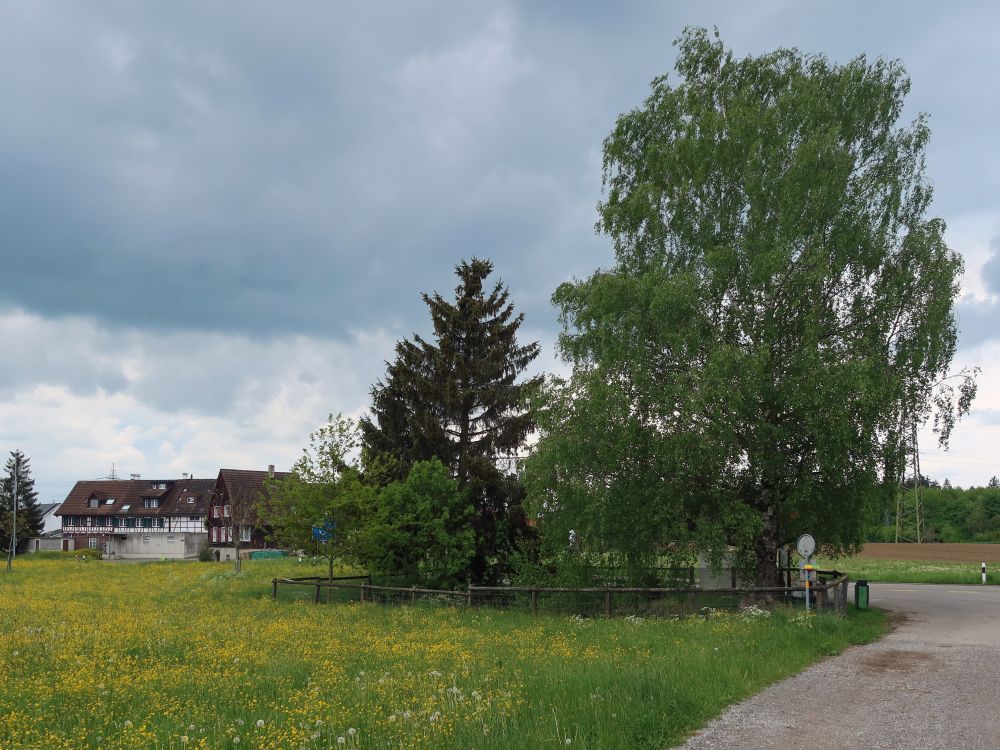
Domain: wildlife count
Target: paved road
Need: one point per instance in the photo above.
(934, 682)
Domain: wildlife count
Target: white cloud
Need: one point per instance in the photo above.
(79, 397)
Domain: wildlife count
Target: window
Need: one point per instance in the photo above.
(93, 502)
(159, 523)
(190, 500)
(92, 542)
(114, 522)
(145, 538)
(147, 523)
(170, 538)
(109, 501)
(159, 485)
(130, 522)
(194, 518)
(245, 533)
(126, 507)
(226, 510)
(151, 502)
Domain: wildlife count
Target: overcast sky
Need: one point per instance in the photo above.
(219, 218)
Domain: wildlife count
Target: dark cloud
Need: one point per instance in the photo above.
(991, 269)
(977, 322)
(181, 166)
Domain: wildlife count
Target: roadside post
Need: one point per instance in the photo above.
(984, 573)
(806, 545)
(808, 575)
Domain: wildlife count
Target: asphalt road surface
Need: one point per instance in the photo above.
(934, 682)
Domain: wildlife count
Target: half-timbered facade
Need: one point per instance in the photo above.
(137, 518)
(233, 510)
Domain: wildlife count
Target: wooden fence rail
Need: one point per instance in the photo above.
(820, 591)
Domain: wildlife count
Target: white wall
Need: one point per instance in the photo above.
(173, 546)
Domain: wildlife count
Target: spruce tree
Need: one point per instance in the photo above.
(29, 515)
(457, 398)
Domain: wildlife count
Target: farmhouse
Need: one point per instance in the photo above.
(235, 498)
(136, 518)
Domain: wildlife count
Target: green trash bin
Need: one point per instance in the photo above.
(861, 594)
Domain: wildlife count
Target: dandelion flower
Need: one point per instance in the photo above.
(260, 723)
(341, 740)
(569, 741)
(128, 723)
(184, 739)
(352, 731)
(236, 740)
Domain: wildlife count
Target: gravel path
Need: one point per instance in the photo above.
(934, 682)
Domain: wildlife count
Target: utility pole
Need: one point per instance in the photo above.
(13, 525)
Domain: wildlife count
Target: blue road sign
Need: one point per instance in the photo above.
(324, 533)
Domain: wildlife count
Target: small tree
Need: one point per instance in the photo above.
(420, 527)
(324, 487)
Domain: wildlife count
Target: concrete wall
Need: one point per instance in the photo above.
(153, 546)
(44, 544)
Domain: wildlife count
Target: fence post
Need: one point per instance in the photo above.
(413, 595)
(821, 599)
(691, 601)
(843, 596)
(607, 602)
(274, 588)
(468, 600)
(316, 597)
(534, 601)
(363, 588)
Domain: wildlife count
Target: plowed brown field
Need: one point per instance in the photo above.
(933, 552)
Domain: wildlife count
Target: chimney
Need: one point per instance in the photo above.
(270, 471)
(185, 475)
(133, 477)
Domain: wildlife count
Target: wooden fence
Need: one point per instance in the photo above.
(832, 594)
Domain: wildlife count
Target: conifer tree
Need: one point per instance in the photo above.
(29, 515)
(457, 398)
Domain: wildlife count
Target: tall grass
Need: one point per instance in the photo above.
(182, 655)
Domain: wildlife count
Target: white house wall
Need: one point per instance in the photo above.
(153, 546)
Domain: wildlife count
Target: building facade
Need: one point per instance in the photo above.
(233, 511)
(136, 518)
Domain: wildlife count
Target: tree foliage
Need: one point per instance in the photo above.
(779, 300)
(457, 398)
(420, 528)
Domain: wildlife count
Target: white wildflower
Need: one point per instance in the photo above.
(352, 731)
(260, 723)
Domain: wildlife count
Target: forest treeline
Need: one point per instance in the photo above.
(951, 514)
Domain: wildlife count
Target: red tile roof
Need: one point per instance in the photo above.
(132, 492)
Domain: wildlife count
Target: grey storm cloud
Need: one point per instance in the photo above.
(991, 269)
(266, 171)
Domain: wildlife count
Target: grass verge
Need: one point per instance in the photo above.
(912, 571)
(183, 655)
